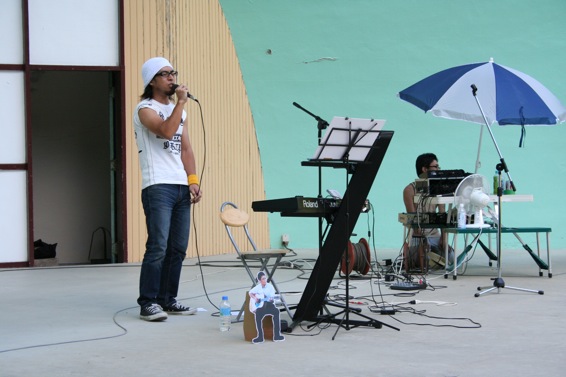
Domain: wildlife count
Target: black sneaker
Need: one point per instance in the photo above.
(153, 313)
(178, 309)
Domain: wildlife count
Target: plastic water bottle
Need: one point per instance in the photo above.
(225, 314)
(495, 182)
(461, 216)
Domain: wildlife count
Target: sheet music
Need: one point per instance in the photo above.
(337, 138)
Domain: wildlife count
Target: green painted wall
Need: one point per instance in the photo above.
(351, 58)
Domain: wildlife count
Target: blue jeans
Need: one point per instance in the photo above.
(168, 218)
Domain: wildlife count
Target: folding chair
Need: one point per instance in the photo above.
(234, 218)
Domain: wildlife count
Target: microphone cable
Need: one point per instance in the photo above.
(195, 232)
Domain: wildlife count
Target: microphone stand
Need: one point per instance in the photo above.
(321, 125)
(498, 282)
(503, 164)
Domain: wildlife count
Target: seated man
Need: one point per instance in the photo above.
(262, 304)
(426, 162)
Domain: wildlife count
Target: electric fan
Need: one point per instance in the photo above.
(472, 192)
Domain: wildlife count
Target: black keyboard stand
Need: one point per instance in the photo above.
(332, 249)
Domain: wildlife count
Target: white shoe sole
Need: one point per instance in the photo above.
(154, 318)
(187, 312)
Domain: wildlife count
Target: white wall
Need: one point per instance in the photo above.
(71, 32)
(61, 33)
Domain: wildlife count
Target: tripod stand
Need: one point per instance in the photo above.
(498, 282)
(345, 322)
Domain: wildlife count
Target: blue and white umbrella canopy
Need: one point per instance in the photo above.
(507, 96)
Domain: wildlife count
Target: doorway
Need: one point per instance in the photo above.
(75, 168)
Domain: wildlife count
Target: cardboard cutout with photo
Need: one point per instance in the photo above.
(262, 304)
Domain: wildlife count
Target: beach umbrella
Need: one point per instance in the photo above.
(486, 93)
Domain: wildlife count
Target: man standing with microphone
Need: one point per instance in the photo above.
(169, 187)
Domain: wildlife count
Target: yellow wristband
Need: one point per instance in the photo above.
(193, 179)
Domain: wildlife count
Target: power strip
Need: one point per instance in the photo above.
(408, 286)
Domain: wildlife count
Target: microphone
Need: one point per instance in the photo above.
(175, 86)
(474, 89)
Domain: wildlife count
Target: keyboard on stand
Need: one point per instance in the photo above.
(299, 206)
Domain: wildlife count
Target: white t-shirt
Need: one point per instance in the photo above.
(267, 292)
(160, 159)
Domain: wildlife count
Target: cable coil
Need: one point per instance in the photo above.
(359, 258)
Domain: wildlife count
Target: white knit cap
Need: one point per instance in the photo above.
(151, 67)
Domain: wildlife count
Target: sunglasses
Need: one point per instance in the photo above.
(167, 73)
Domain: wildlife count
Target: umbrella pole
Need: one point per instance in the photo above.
(498, 282)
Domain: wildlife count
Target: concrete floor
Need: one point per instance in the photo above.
(83, 321)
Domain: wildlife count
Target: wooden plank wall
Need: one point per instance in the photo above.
(194, 36)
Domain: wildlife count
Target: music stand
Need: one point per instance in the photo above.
(351, 137)
(339, 149)
(346, 143)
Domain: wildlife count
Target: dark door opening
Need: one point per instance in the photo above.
(75, 167)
